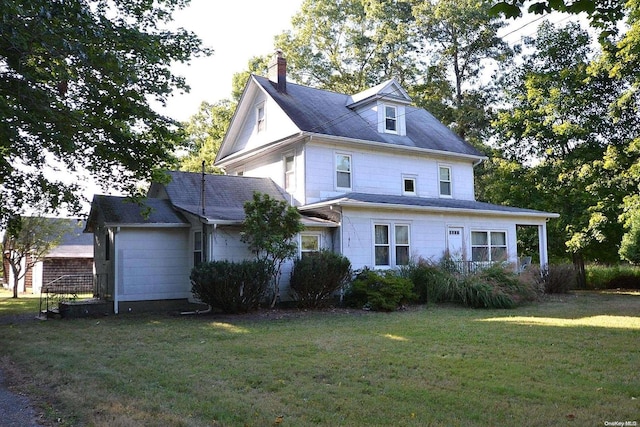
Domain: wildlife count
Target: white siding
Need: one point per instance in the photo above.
(428, 232)
(381, 172)
(152, 264)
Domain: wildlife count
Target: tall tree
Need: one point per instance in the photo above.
(460, 36)
(566, 122)
(205, 130)
(76, 81)
(350, 45)
(28, 239)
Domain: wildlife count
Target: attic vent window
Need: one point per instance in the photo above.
(260, 118)
(390, 119)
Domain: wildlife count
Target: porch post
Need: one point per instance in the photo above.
(542, 244)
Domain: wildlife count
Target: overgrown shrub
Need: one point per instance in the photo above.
(554, 279)
(229, 286)
(431, 282)
(495, 287)
(379, 290)
(317, 276)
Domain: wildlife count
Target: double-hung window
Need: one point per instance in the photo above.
(260, 118)
(390, 119)
(445, 181)
(197, 248)
(391, 249)
(309, 243)
(289, 173)
(488, 246)
(343, 171)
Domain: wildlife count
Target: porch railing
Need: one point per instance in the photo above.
(469, 267)
(65, 288)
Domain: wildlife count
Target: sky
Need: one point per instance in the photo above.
(236, 30)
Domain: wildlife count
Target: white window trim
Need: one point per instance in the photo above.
(413, 178)
(335, 171)
(195, 249)
(309, 234)
(443, 166)
(262, 106)
(489, 244)
(396, 118)
(292, 172)
(392, 245)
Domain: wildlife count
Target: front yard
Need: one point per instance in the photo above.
(572, 360)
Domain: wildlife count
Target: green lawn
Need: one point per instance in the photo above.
(572, 361)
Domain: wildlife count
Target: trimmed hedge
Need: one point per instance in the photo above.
(229, 286)
(318, 276)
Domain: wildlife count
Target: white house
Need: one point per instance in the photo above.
(376, 179)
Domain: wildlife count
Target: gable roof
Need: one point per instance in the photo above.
(75, 243)
(328, 113)
(121, 211)
(224, 195)
(428, 204)
(390, 90)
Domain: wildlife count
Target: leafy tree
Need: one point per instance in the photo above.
(28, 239)
(77, 79)
(205, 131)
(459, 35)
(269, 228)
(569, 130)
(350, 45)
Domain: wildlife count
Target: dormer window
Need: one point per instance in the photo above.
(390, 119)
(260, 123)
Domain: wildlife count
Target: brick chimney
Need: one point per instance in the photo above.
(278, 71)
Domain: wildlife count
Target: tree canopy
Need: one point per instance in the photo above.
(77, 83)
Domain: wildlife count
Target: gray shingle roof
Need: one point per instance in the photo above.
(122, 211)
(225, 195)
(423, 202)
(74, 244)
(325, 112)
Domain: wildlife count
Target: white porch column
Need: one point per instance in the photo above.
(542, 244)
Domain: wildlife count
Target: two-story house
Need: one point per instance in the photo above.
(376, 179)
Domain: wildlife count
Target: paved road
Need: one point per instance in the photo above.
(15, 410)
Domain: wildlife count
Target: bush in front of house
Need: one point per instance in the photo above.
(495, 287)
(318, 276)
(553, 279)
(431, 282)
(379, 290)
(233, 287)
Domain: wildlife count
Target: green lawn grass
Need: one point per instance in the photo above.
(572, 361)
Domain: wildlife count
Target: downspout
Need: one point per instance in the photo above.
(115, 269)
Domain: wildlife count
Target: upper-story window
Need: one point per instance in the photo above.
(289, 172)
(260, 118)
(343, 170)
(390, 119)
(445, 181)
(409, 185)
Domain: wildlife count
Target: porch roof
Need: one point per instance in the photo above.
(366, 200)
